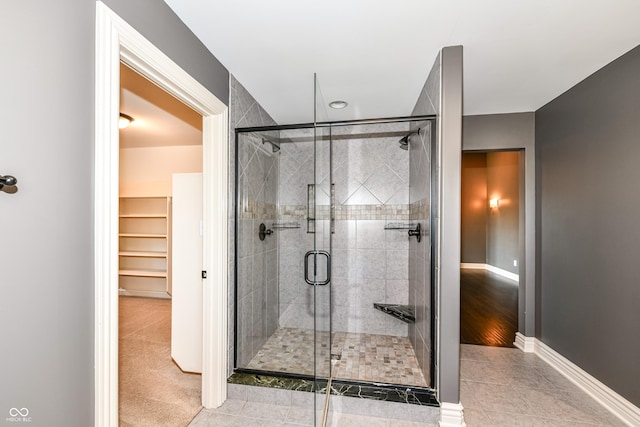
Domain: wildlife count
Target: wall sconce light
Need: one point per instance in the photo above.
(494, 203)
(124, 121)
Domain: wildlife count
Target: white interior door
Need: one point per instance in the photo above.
(186, 305)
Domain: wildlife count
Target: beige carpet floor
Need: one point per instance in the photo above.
(153, 391)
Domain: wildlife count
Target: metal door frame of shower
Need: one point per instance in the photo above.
(431, 118)
(329, 124)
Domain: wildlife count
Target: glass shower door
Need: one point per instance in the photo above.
(323, 212)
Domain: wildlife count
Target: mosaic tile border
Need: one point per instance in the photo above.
(253, 209)
(419, 209)
(388, 393)
(348, 212)
(257, 210)
(385, 212)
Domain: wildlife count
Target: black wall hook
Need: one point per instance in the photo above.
(7, 180)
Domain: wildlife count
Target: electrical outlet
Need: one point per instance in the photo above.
(515, 262)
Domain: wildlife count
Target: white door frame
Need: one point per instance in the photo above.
(115, 41)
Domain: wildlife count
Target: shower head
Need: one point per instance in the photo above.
(404, 141)
(275, 147)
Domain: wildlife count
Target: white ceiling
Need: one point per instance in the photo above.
(160, 119)
(376, 54)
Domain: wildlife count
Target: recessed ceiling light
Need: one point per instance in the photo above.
(124, 121)
(338, 104)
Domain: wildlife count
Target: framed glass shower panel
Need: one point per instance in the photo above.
(256, 290)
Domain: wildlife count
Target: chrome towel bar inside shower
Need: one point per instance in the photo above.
(283, 225)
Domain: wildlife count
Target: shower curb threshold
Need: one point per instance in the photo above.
(413, 395)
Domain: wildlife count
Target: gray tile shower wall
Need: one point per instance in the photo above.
(257, 260)
(257, 287)
(419, 199)
(296, 302)
(419, 252)
(370, 264)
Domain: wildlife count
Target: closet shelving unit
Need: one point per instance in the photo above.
(145, 246)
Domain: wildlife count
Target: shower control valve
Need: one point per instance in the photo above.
(263, 231)
(417, 233)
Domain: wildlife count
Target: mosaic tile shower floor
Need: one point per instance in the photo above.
(356, 356)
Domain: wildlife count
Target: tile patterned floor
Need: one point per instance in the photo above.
(249, 414)
(362, 357)
(291, 350)
(499, 387)
(506, 387)
(377, 358)
(153, 390)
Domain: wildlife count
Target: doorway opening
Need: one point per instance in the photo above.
(159, 362)
(117, 41)
(492, 226)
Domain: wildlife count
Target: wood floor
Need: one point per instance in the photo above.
(488, 308)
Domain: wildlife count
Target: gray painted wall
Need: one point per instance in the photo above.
(473, 208)
(448, 223)
(502, 222)
(442, 96)
(155, 20)
(589, 238)
(508, 132)
(46, 309)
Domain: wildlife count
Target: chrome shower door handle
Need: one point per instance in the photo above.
(315, 267)
(328, 279)
(306, 266)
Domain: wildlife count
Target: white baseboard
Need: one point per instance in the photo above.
(491, 268)
(473, 265)
(503, 273)
(612, 401)
(451, 415)
(524, 343)
(145, 294)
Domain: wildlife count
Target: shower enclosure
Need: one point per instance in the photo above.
(333, 253)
